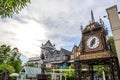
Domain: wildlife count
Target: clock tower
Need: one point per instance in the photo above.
(94, 38)
(95, 50)
(94, 43)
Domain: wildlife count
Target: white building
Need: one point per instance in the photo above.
(52, 55)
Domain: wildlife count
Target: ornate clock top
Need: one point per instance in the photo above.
(91, 26)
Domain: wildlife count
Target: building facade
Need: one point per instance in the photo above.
(52, 56)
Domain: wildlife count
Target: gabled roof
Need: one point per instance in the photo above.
(65, 52)
(74, 47)
(80, 45)
(48, 43)
(57, 52)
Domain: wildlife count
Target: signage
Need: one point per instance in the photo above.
(95, 55)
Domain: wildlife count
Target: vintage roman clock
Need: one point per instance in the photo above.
(93, 42)
(93, 39)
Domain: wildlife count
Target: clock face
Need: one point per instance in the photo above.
(93, 42)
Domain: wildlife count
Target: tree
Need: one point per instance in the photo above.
(10, 57)
(9, 7)
(6, 66)
(4, 53)
(112, 45)
(14, 60)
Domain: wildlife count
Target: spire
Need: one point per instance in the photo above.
(81, 27)
(101, 22)
(92, 16)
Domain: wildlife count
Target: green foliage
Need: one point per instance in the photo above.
(10, 57)
(70, 73)
(84, 66)
(30, 64)
(112, 44)
(98, 68)
(4, 53)
(65, 67)
(48, 69)
(17, 64)
(72, 66)
(6, 66)
(9, 7)
(101, 68)
(15, 60)
(56, 67)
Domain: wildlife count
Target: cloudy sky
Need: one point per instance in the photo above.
(56, 20)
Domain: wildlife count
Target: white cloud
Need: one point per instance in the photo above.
(56, 20)
(25, 36)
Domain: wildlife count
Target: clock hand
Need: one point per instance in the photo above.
(92, 42)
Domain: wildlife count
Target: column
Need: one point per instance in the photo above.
(117, 67)
(60, 76)
(77, 71)
(65, 77)
(115, 26)
(91, 72)
(111, 69)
